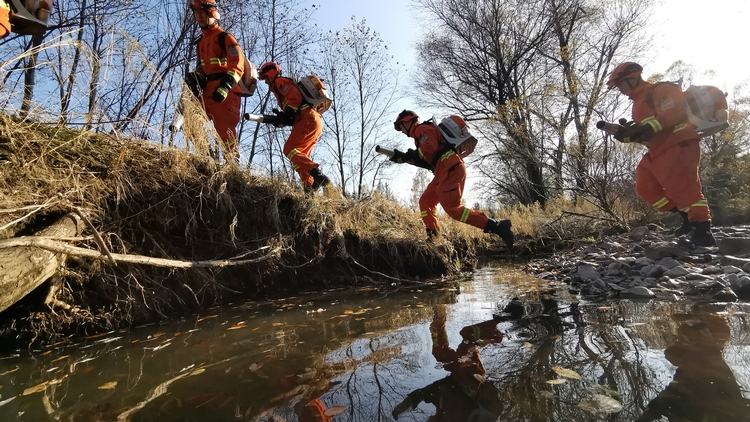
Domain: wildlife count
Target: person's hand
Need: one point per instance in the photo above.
(220, 93)
(398, 156)
(634, 133)
(196, 81)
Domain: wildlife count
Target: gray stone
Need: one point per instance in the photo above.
(695, 276)
(659, 252)
(746, 268)
(588, 273)
(642, 262)
(712, 270)
(677, 272)
(638, 292)
(734, 246)
(733, 260)
(669, 262)
(657, 271)
(731, 269)
(639, 233)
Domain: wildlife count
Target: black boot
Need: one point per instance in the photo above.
(502, 229)
(702, 234)
(319, 179)
(686, 227)
(432, 234)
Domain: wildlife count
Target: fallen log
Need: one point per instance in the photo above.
(24, 268)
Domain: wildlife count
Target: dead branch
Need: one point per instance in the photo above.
(58, 247)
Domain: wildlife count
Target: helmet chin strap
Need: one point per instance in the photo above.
(211, 23)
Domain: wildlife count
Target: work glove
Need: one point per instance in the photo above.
(221, 92)
(398, 156)
(634, 133)
(282, 118)
(196, 81)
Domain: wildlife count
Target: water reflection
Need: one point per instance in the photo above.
(428, 354)
(703, 388)
(463, 395)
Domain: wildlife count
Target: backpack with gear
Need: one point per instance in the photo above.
(455, 131)
(706, 108)
(249, 80)
(315, 93)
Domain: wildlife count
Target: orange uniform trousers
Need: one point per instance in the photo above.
(306, 131)
(226, 116)
(446, 189)
(315, 411)
(671, 180)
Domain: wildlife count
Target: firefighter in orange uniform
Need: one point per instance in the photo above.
(217, 76)
(307, 126)
(4, 18)
(667, 176)
(447, 187)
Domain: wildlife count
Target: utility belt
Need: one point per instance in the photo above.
(215, 76)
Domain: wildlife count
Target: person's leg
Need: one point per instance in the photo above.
(305, 133)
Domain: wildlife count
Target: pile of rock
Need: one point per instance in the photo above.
(645, 264)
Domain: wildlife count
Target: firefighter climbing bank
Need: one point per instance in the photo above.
(667, 175)
(306, 122)
(221, 65)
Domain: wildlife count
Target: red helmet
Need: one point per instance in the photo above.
(624, 71)
(269, 70)
(403, 117)
(208, 5)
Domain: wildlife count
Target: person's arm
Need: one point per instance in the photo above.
(669, 108)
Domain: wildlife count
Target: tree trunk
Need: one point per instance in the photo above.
(23, 269)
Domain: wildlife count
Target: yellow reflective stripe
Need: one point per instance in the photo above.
(423, 214)
(419, 150)
(651, 121)
(234, 75)
(292, 153)
(680, 127)
(4, 5)
(701, 203)
(447, 154)
(660, 203)
(304, 106)
(202, 63)
(434, 212)
(686, 209)
(465, 214)
(218, 60)
(295, 168)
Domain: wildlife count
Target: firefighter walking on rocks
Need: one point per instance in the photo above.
(447, 187)
(307, 126)
(215, 81)
(667, 176)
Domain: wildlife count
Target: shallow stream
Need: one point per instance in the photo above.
(422, 353)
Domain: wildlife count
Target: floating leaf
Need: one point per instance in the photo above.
(85, 369)
(237, 326)
(207, 317)
(198, 371)
(604, 308)
(162, 346)
(108, 386)
(6, 401)
(277, 324)
(599, 403)
(556, 381)
(60, 358)
(40, 387)
(254, 367)
(10, 371)
(567, 373)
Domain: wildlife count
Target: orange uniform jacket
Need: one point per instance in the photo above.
(307, 128)
(217, 62)
(446, 188)
(4, 19)
(667, 176)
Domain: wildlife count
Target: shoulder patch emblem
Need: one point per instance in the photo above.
(666, 103)
(233, 51)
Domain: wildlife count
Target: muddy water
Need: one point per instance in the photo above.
(418, 353)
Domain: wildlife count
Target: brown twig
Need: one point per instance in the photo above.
(97, 238)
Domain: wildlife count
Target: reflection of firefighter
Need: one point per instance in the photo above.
(4, 18)
(703, 387)
(463, 395)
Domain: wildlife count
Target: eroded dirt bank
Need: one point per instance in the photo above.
(136, 199)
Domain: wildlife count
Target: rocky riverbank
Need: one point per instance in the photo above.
(644, 264)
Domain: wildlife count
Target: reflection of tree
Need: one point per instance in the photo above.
(463, 395)
(704, 387)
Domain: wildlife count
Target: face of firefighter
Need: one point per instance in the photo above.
(203, 18)
(627, 86)
(404, 127)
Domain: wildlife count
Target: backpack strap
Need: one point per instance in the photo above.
(222, 42)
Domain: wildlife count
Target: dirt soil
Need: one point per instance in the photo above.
(147, 200)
